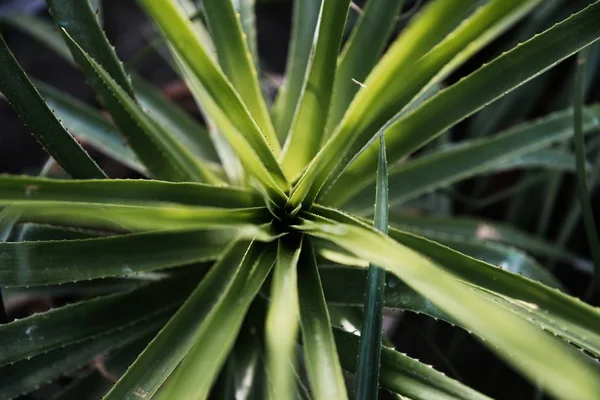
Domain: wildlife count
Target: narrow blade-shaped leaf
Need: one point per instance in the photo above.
(404, 375)
(421, 175)
(124, 191)
(571, 318)
(309, 120)
(78, 20)
(367, 377)
(305, 19)
(361, 52)
(282, 318)
(486, 23)
(544, 359)
(262, 169)
(170, 346)
(323, 365)
(182, 36)
(29, 105)
(169, 158)
(90, 126)
(383, 95)
(134, 217)
(473, 229)
(462, 99)
(188, 131)
(236, 61)
(73, 323)
(25, 376)
(26, 264)
(217, 332)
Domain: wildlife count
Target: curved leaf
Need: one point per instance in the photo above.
(251, 160)
(61, 261)
(73, 323)
(90, 126)
(25, 376)
(124, 191)
(478, 229)
(95, 383)
(179, 123)
(404, 375)
(423, 174)
(361, 52)
(305, 19)
(462, 99)
(218, 331)
(236, 61)
(544, 359)
(134, 218)
(157, 148)
(565, 316)
(310, 118)
(384, 95)
(78, 20)
(282, 319)
(324, 370)
(182, 36)
(367, 377)
(169, 347)
(29, 105)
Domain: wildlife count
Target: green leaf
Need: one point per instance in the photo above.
(310, 118)
(179, 123)
(78, 20)
(563, 315)
(73, 323)
(282, 319)
(90, 126)
(404, 375)
(361, 52)
(29, 105)
(236, 61)
(61, 261)
(384, 94)
(507, 258)
(398, 295)
(322, 363)
(25, 376)
(424, 174)
(582, 179)
(248, 19)
(545, 360)
(367, 377)
(217, 332)
(164, 156)
(500, 76)
(305, 19)
(124, 191)
(135, 217)
(94, 384)
(169, 347)
(478, 230)
(182, 36)
(266, 174)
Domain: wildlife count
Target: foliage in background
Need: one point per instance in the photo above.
(237, 267)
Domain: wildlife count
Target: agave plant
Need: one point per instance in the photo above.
(261, 219)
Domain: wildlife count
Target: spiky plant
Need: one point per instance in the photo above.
(239, 228)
